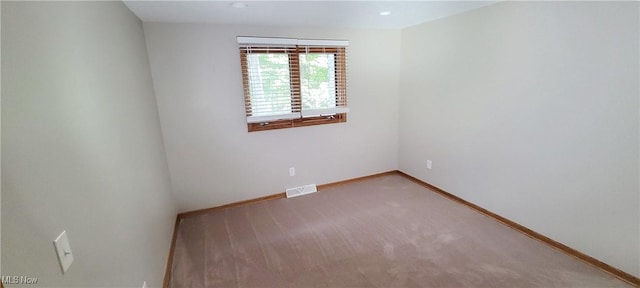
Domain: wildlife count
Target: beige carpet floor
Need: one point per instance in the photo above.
(380, 232)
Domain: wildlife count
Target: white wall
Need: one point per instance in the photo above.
(213, 160)
(81, 147)
(1, 141)
(531, 111)
(0, 137)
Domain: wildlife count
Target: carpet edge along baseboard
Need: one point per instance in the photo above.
(167, 271)
(631, 279)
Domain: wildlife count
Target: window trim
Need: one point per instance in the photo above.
(298, 122)
(285, 46)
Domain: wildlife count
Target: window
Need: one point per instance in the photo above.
(292, 83)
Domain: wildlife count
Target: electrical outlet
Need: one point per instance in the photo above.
(428, 164)
(292, 171)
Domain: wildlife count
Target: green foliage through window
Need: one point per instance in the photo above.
(270, 83)
(317, 79)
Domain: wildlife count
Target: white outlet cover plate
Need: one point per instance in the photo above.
(63, 249)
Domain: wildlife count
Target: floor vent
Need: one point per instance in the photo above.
(302, 190)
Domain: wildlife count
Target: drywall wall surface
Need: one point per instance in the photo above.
(213, 160)
(530, 110)
(0, 134)
(81, 147)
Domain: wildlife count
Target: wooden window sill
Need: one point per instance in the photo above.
(308, 121)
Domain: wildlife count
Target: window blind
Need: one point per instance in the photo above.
(286, 78)
(319, 100)
(268, 82)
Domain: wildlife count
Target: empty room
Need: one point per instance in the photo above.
(320, 144)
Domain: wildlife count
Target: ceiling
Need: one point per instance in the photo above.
(347, 14)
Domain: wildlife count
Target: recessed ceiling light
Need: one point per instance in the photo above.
(385, 13)
(239, 5)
